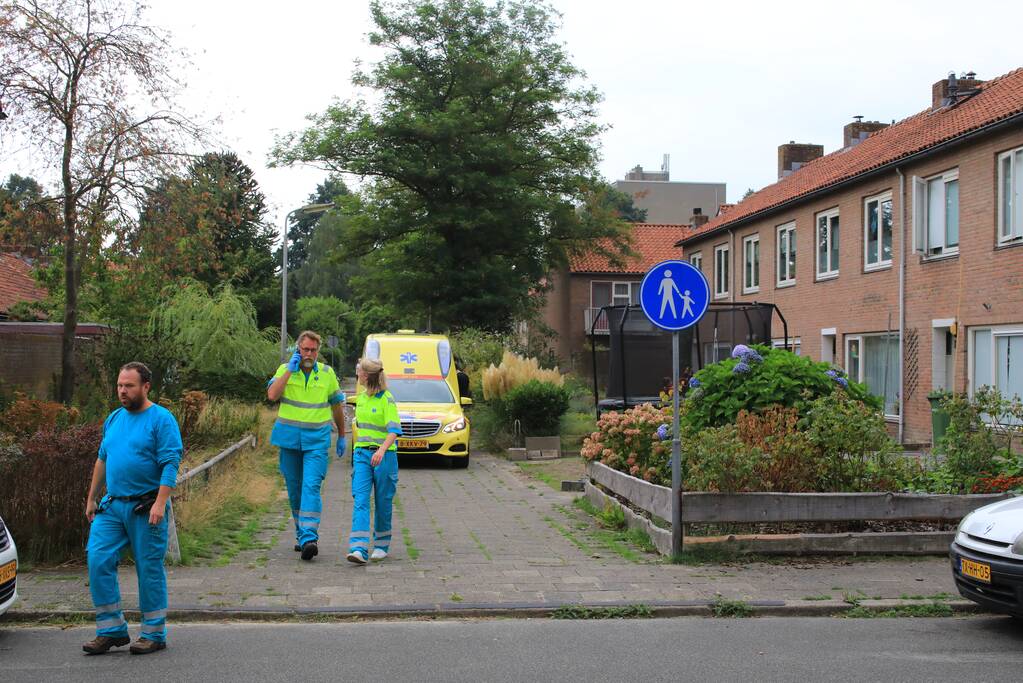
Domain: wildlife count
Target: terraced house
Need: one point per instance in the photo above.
(898, 257)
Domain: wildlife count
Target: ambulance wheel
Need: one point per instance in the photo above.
(460, 463)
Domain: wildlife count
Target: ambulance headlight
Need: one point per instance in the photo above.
(456, 426)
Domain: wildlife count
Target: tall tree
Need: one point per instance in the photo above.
(303, 225)
(27, 215)
(88, 84)
(482, 142)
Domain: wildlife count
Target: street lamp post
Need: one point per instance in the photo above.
(306, 210)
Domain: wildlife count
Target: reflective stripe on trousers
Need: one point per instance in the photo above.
(366, 479)
(303, 473)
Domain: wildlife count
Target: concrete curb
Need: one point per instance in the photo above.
(524, 610)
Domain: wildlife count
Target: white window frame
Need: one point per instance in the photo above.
(790, 241)
(832, 268)
(921, 227)
(722, 280)
(614, 283)
(1010, 228)
(996, 331)
(750, 244)
(881, 262)
(696, 259)
(858, 377)
(795, 345)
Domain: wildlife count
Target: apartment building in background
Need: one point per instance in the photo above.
(669, 202)
(898, 257)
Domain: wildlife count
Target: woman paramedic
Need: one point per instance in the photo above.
(374, 462)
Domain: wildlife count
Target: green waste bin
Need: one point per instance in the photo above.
(939, 419)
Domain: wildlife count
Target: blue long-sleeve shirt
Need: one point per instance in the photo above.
(141, 450)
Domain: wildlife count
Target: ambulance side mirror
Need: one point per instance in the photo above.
(465, 401)
(350, 400)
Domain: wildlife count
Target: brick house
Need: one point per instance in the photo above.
(577, 293)
(921, 287)
(17, 283)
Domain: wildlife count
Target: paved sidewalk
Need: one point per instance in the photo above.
(484, 536)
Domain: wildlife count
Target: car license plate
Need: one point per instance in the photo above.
(8, 571)
(413, 443)
(978, 570)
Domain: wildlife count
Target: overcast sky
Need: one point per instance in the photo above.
(718, 85)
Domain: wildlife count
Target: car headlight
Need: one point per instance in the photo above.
(962, 523)
(456, 426)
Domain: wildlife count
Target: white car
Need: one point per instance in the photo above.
(987, 556)
(8, 569)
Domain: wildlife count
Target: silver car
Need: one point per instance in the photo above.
(987, 556)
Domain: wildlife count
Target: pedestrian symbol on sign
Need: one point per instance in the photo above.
(674, 295)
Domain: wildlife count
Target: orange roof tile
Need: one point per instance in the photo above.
(652, 242)
(17, 283)
(999, 99)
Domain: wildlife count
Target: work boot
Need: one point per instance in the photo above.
(100, 644)
(144, 646)
(298, 548)
(357, 556)
(309, 550)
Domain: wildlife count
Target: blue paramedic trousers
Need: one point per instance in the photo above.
(365, 478)
(112, 530)
(303, 475)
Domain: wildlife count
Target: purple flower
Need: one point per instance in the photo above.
(832, 374)
(662, 432)
(693, 382)
(741, 351)
(842, 382)
(754, 356)
(741, 368)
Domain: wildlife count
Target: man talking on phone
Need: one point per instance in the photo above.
(138, 463)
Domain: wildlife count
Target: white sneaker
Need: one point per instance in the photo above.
(378, 554)
(357, 557)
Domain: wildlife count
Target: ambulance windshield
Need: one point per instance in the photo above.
(420, 390)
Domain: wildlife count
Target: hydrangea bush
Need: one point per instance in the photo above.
(634, 441)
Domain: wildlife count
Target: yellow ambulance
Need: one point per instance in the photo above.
(421, 375)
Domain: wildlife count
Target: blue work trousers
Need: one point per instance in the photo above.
(303, 475)
(113, 529)
(365, 479)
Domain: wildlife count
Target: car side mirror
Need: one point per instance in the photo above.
(466, 401)
(350, 400)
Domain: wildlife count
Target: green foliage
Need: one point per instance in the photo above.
(328, 315)
(481, 146)
(304, 226)
(215, 341)
(977, 446)
(629, 442)
(637, 611)
(718, 460)
(220, 422)
(782, 378)
(731, 608)
(491, 427)
(538, 406)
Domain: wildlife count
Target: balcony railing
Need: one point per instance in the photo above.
(591, 314)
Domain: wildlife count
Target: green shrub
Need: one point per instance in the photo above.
(718, 460)
(491, 427)
(478, 349)
(538, 406)
(215, 421)
(857, 452)
(778, 378)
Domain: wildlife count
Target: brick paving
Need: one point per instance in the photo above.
(486, 535)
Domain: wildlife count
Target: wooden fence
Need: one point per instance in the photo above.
(753, 508)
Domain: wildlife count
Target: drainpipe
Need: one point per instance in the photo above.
(731, 267)
(902, 301)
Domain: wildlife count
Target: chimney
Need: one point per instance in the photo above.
(793, 155)
(638, 173)
(698, 218)
(952, 89)
(856, 132)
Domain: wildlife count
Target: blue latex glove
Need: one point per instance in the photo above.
(340, 447)
(293, 364)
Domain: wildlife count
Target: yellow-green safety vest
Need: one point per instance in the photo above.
(375, 417)
(305, 403)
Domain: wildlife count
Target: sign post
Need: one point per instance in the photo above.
(674, 296)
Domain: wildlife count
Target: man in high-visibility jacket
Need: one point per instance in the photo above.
(310, 398)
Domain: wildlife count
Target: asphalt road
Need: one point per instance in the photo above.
(760, 649)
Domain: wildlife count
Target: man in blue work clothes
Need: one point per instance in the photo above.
(310, 399)
(138, 461)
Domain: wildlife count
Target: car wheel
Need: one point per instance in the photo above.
(461, 463)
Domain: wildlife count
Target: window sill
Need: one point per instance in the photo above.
(783, 285)
(826, 276)
(939, 257)
(752, 290)
(718, 297)
(886, 265)
(1009, 244)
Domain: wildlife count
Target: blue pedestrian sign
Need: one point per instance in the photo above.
(674, 295)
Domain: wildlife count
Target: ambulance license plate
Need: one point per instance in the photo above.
(413, 443)
(978, 570)
(8, 571)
